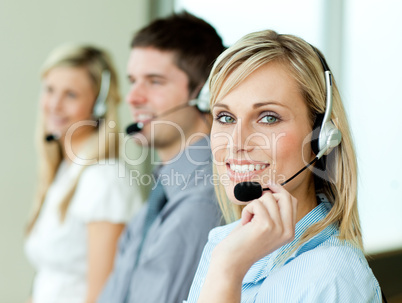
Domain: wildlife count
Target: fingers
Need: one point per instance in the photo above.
(277, 188)
(271, 204)
(255, 210)
(289, 211)
(264, 211)
(274, 211)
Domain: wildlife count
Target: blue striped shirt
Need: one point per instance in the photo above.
(324, 269)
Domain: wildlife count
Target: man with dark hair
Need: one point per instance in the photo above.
(158, 254)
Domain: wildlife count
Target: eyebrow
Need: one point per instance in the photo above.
(221, 105)
(256, 105)
(155, 76)
(260, 104)
(148, 76)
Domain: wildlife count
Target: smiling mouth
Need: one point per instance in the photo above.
(144, 117)
(247, 168)
(58, 121)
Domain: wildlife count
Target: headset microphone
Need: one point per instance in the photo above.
(201, 102)
(248, 191)
(329, 137)
(138, 126)
(134, 128)
(51, 137)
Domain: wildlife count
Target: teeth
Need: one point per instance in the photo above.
(144, 117)
(247, 168)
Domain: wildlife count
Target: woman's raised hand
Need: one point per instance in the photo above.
(266, 224)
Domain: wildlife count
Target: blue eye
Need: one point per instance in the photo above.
(269, 119)
(157, 80)
(225, 119)
(71, 94)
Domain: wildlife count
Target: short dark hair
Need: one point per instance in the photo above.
(194, 42)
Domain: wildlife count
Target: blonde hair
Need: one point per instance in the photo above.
(301, 60)
(95, 61)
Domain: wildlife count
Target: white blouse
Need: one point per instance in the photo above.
(59, 250)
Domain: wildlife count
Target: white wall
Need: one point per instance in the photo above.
(372, 73)
(28, 31)
(234, 19)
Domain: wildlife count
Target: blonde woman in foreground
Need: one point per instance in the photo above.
(84, 197)
(300, 242)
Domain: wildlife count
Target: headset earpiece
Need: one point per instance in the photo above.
(100, 107)
(202, 100)
(316, 133)
(326, 135)
(330, 137)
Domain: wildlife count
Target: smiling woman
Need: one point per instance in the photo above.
(82, 201)
(300, 242)
(67, 98)
(267, 131)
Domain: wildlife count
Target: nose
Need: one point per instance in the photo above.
(136, 94)
(242, 137)
(54, 102)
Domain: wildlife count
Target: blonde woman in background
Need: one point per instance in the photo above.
(84, 197)
(300, 242)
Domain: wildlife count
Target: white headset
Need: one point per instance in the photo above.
(202, 100)
(330, 136)
(100, 107)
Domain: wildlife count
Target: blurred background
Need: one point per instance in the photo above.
(361, 39)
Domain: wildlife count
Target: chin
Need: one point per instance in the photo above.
(141, 139)
(237, 202)
(55, 130)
